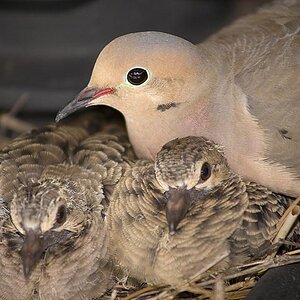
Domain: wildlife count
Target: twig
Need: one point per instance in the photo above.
(287, 221)
(268, 264)
(241, 285)
(289, 243)
(219, 289)
(15, 124)
(293, 252)
(144, 291)
(8, 120)
(19, 104)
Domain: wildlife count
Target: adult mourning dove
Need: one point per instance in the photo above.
(239, 88)
(53, 238)
(188, 214)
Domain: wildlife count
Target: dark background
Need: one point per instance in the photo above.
(48, 48)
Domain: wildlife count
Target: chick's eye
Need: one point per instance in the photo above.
(205, 171)
(61, 215)
(137, 76)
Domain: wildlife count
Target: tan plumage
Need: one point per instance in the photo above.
(188, 213)
(54, 187)
(239, 88)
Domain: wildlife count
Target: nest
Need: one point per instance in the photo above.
(234, 284)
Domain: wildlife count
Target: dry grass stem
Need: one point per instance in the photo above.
(11, 122)
(287, 221)
(235, 283)
(219, 289)
(19, 104)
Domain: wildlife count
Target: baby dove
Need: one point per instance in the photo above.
(53, 200)
(188, 213)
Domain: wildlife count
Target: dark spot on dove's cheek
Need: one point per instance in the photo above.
(284, 133)
(164, 107)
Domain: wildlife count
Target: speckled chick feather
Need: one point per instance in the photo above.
(188, 214)
(55, 183)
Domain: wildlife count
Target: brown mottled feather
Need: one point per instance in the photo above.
(230, 221)
(67, 164)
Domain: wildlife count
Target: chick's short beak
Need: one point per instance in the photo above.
(178, 204)
(31, 252)
(84, 99)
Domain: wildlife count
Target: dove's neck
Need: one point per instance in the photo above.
(149, 134)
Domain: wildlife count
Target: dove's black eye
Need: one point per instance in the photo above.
(61, 215)
(137, 76)
(205, 171)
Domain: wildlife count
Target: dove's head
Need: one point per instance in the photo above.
(48, 214)
(148, 76)
(190, 169)
(140, 72)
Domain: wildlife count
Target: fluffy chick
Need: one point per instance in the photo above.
(53, 237)
(188, 213)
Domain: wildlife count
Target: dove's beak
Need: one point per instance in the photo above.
(84, 99)
(31, 252)
(178, 204)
